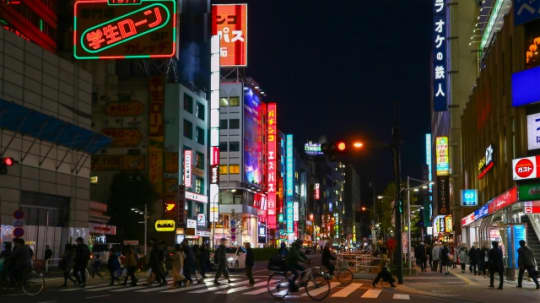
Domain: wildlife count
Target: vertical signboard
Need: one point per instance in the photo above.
(429, 158)
(214, 129)
(106, 29)
(289, 187)
(441, 151)
(533, 131)
(156, 133)
(440, 92)
(272, 165)
(443, 195)
(317, 189)
(229, 23)
(188, 164)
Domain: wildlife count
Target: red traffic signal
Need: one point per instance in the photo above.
(341, 146)
(8, 161)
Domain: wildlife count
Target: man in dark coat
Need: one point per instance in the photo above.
(473, 258)
(421, 257)
(527, 262)
(220, 259)
(327, 258)
(82, 256)
(495, 264)
(250, 261)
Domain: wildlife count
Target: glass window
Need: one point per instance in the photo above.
(200, 111)
(188, 103)
(223, 102)
(188, 129)
(200, 136)
(223, 146)
(234, 101)
(201, 208)
(199, 185)
(234, 123)
(234, 169)
(234, 146)
(199, 160)
(223, 124)
(223, 170)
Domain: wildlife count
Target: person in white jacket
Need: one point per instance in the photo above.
(436, 255)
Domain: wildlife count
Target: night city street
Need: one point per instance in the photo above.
(239, 151)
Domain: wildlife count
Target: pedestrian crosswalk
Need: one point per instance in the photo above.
(237, 286)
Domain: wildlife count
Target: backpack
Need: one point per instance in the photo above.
(276, 263)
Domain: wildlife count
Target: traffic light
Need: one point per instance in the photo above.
(341, 146)
(6, 162)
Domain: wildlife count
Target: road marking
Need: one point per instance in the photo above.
(257, 292)
(401, 297)
(462, 277)
(233, 290)
(193, 287)
(321, 290)
(95, 297)
(103, 288)
(202, 291)
(372, 293)
(151, 289)
(129, 288)
(345, 292)
(75, 288)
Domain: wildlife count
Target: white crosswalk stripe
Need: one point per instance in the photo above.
(192, 287)
(345, 292)
(238, 289)
(202, 291)
(321, 290)
(372, 293)
(401, 297)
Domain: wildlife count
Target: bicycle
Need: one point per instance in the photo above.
(316, 284)
(342, 273)
(33, 284)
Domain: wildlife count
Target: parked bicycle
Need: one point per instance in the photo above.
(316, 284)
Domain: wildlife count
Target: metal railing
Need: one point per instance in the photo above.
(360, 262)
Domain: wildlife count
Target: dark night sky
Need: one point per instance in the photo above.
(336, 66)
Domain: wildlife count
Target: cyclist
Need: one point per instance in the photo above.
(19, 262)
(294, 257)
(327, 258)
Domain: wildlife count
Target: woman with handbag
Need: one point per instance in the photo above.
(177, 266)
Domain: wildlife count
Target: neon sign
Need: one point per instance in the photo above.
(127, 29)
(229, 23)
(290, 185)
(486, 163)
(441, 150)
(272, 165)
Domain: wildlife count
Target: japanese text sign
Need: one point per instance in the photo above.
(469, 197)
(533, 131)
(441, 152)
(525, 168)
(272, 164)
(229, 23)
(440, 99)
(106, 29)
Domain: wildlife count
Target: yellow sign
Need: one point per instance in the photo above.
(124, 109)
(155, 167)
(165, 225)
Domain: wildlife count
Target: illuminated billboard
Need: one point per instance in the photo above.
(290, 184)
(441, 150)
(229, 23)
(107, 29)
(253, 136)
(272, 138)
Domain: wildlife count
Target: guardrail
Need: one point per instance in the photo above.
(360, 263)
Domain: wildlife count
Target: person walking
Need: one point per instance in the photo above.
(204, 260)
(429, 255)
(82, 256)
(220, 259)
(156, 264)
(131, 266)
(283, 251)
(483, 259)
(463, 256)
(445, 259)
(384, 274)
(496, 265)
(97, 261)
(177, 262)
(473, 258)
(250, 262)
(48, 256)
(527, 262)
(113, 265)
(66, 264)
(189, 262)
(421, 256)
(436, 253)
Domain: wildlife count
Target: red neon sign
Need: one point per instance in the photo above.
(229, 23)
(272, 165)
(124, 29)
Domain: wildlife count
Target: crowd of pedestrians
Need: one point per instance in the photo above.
(481, 261)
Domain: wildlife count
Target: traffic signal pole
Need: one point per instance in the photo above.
(398, 260)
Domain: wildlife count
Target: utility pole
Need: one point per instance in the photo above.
(398, 260)
(409, 248)
(145, 229)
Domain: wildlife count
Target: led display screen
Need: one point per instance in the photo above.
(253, 136)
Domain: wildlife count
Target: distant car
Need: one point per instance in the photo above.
(236, 258)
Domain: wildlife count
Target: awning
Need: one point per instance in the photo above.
(44, 127)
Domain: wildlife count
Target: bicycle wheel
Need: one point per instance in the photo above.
(344, 276)
(278, 285)
(34, 284)
(318, 287)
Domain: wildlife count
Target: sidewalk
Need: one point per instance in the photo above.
(484, 280)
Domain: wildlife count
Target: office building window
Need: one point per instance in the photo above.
(200, 136)
(188, 129)
(234, 146)
(234, 169)
(199, 185)
(223, 102)
(234, 123)
(234, 101)
(201, 110)
(223, 124)
(223, 170)
(188, 103)
(199, 161)
(201, 208)
(223, 146)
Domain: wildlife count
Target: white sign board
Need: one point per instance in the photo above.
(533, 131)
(191, 223)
